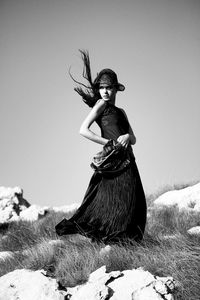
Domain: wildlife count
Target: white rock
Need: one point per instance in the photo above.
(194, 231)
(5, 254)
(6, 214)
(197, 207)
(66, 208)
(29, 285)
(131, 284)
(96, 287)
(7, 192)
(57, 242)
(187, 198)
(105, 251)
(137, 284)
(11, 204)
(100, 275)
(134, 284)
(13, 207)
(7, 202)
(33, 213)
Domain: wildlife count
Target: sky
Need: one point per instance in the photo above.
(153, 46)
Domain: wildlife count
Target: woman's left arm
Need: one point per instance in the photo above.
(129, 137)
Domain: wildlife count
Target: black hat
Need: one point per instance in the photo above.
(109, 77)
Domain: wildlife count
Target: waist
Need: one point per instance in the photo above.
(130, 153)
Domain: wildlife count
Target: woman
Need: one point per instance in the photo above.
(114, 206)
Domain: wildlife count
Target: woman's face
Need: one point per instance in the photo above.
(107, 92)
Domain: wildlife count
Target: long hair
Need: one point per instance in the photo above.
(89, 93)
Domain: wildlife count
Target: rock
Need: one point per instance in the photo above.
(187, 198)
(13, 207)
(194, 231)
(57, 243)
(7, 213)
(11, 204)
(29, 285)
(7, 192)
(33, 213)
(134, 284)
(66, 208)
(105, 251)
(6, 254)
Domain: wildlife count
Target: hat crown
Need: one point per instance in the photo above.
(109, 77)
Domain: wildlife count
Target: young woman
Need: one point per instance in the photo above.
(114, 206)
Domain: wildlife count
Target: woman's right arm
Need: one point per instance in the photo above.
(92, 116)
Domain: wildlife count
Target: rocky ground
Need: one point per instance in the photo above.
(130, 284)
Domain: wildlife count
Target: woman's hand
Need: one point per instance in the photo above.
(124, 140)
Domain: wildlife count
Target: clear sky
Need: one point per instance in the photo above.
(153, 45)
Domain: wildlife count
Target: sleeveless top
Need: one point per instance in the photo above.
(112, 122)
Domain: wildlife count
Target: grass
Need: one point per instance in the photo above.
(167, 250)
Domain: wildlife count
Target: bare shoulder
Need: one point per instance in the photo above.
(94, 113)
(99, 105)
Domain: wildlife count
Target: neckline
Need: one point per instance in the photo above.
(108, 103)
(113, 105)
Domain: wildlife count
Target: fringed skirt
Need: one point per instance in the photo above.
(114, 208)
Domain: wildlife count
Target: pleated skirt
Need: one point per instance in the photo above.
(114, 208)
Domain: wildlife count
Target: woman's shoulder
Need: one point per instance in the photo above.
(101, 103)
(100, 108)
(122, 110)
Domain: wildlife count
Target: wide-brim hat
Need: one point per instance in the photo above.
(108, 77)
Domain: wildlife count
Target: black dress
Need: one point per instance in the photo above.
(114, 206)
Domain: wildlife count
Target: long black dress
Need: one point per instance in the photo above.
(114, 206)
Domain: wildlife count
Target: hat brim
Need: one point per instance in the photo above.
(121, 87)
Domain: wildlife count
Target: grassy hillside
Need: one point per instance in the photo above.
(167, 250)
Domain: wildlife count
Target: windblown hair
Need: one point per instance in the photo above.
(89, 93)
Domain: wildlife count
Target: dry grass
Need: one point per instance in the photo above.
(167, 250)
